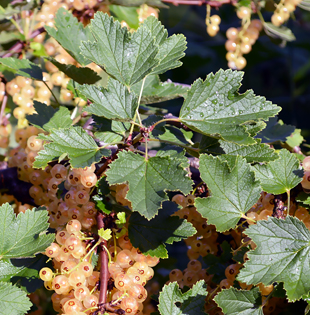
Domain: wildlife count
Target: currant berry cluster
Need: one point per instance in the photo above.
(283, 11)
(204, 241)
(240, 41)
(130, 270)
(74, 280)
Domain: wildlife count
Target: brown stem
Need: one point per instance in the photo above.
(106, 164)
(16, 1)
(18, 47)
(104, 271)
(88, 123)
(212, 3)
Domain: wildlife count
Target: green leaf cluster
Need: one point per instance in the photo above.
(156, 155)
(22, 238)
(192, 300)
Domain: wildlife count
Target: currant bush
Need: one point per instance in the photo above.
(95, 185)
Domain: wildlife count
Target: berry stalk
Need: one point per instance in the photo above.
(104, 271)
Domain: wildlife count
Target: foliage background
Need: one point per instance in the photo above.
(278, 71)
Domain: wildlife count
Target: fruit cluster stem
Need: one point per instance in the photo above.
(104, 271)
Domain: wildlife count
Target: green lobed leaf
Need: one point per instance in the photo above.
(280, 176)
(171, 49)
(75, 142)
(23, 67)
(155, 91)
(295, 139)
(282, 255)
(172, 134)
(210, 145)
(305, 5)
(214, 106)
(69, 33)
(192, 301)
(151, 236)
(303, 198)
(38, 49)
(126, 57)
(111, 131)
(49, 118)
(278, 32)
(233, 191)
(7, 12)
(24, 268)
(108, 137)
(13, 300)
(239, 254)
(253, 128)
(174, 152)
(94, 260)
(7, 37)
(81, 75)
(23, 235)
(127, 14)
(115, 102)
(235, 302)
(275, 131)
(152, 178)
(23, 271)
(252, 153)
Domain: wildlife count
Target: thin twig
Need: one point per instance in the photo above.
(137, 110)
(51, 92)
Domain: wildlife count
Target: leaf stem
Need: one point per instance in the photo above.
(74, 112)
(268, 297)
(260, 16)
(110, 258)
(241, 246)
(146, 156)
(114, 243)
(248, 218)
(137, 109)
(288, 192)
(51, 92)
(17, 26)
(212, 293)
(166, 119)
(120, 298)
